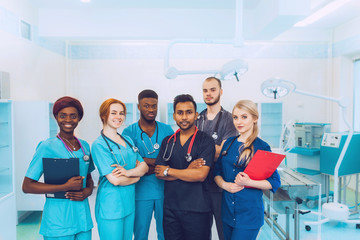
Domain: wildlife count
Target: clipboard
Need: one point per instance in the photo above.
(58, 171)
(263, 164)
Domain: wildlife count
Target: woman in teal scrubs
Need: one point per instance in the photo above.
(120, 166)
(70, 218)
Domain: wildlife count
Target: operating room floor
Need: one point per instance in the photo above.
(28, 229)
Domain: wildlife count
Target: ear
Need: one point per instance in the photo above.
(221, 92)
(138, 106)
(174, 116)
(196, 115)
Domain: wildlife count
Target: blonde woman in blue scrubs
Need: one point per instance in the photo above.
(120, 167)
(70, 218)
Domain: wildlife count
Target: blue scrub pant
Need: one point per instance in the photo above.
(185, 225)
(231, 233)
(119, 229)
(143, 214)
(78, 236)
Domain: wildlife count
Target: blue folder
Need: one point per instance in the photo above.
(58, 171)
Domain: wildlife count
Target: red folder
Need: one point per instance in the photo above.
(263, 164)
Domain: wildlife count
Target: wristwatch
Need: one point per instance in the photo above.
(166, 172)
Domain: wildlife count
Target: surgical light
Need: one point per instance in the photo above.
(234, 68)
(230, 70)
(276, 88)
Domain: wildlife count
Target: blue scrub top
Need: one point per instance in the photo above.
(149, 187)
(243, 209)
(62, 217)
(179, 194)
(113, 202)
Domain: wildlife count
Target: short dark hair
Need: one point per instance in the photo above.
(147, 93)
(213, 78)
(184, 98)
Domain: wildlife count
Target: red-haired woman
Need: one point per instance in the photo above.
(120, 166)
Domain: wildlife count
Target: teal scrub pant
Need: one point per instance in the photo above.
(120, 229)
(78, 236)
(143, 214)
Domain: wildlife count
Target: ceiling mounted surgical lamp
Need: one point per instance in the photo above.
(230, 70)
(276, 88)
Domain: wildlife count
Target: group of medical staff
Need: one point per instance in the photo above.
(185, 178)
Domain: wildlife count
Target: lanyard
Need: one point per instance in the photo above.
(188, 156)
(85, 157)
(154, 146)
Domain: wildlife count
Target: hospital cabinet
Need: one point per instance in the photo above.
(7, 194)
(33, 122)
(331, 147)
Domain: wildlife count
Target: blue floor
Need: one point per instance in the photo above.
(28, 229)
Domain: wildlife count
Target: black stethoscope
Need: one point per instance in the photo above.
(188, 156)
(215, 133)
(155, 146)
(134, 148)
(237, 163)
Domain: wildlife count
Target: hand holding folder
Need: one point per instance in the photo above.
(263, 164)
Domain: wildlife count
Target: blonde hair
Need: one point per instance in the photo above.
(247, 149)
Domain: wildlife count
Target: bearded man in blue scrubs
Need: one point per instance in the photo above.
(187, 211)
(147, 135)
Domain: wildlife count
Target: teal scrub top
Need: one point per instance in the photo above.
(149, 187)
(62, 217)
(113, 202)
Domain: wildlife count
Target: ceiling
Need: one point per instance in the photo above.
(165, 19)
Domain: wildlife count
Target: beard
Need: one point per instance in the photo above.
(187, 127)
(216, 100)
(146, 119)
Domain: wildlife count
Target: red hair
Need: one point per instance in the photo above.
(104, 110)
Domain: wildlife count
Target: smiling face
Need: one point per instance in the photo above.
(211, 92)
(67, 119)
(185, 115)
(243, 121)
(116, 116)
(148, 109)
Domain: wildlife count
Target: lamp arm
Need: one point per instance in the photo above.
(337, 100)
(342, 154)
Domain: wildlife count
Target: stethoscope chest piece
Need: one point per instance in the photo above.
(86, 157)
(156, 146)
(214, 136)
(188, 157)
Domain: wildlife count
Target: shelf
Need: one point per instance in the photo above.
(4, 169)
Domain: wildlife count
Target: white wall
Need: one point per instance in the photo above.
(36, 73)
(125, 75)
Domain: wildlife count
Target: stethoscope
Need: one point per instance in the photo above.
(188, 156)
(134, 148)
(155, 146)
(237, 164)
(215, 133)
(85, 157)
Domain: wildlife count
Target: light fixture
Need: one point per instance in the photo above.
(234, 68)
(230, 70)
(276, 88)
